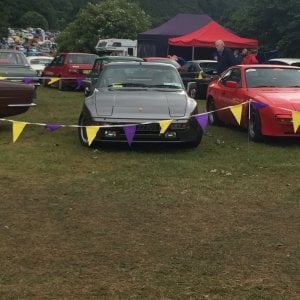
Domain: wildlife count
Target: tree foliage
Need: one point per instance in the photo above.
(33, 19)
(275, 24)
(111, 18)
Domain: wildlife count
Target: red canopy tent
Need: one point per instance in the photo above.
(207, 35)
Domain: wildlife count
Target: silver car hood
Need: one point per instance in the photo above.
(140, 104)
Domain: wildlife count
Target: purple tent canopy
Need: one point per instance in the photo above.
(154, 42)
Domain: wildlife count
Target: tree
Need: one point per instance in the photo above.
(275, 24)
(109, 19)
(33, 19)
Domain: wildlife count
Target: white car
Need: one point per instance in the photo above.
(285, 61)
(38, 63)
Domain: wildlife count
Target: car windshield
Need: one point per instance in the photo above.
(145, 76)
(81, 59)
(272, 77)
(206, 66)
(40, 61)
(13, 58)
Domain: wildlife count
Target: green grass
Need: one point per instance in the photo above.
(217, 222)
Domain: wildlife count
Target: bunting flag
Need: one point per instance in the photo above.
(257, 105)
(237, 112)
(53, 80)
(79, 83)
(52, 127)
(164, 125)
(17, 129)
(202, 121)
(129, 132)
(2, 78)
(296, 120)
(91, 132)
(27, 80)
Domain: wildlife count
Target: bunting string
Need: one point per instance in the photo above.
(129, 129)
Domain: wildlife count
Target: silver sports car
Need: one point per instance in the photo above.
(142, 95)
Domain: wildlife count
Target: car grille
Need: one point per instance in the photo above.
(144, 132)
(148, 127)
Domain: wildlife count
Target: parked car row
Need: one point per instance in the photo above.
(126, 90)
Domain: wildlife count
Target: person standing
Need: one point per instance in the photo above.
(249, 57)
(225, 57)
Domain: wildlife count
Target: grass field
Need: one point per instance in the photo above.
(217, 222)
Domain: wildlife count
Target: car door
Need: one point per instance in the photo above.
(230, 96)
(55, 67)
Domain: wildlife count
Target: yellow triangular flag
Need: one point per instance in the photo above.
(296, 120)
(164, 126)
(237, 112)
(91, 132)
(17, 129)
(53, 80)
(2, 78)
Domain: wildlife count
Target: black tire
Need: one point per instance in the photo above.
(82, 131)
(193, 92)
(212, 116)
(255, 126)
(61, 86)
(194, 144)
(45, 82)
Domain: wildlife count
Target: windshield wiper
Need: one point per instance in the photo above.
(167, 86)
(126, 84)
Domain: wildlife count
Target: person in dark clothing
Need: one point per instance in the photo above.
(225, 57)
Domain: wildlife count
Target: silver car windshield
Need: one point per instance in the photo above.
(149, 76)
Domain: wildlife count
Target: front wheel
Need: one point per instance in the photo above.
(192, 90)
(195, 143)
(44, 81)
(61, 85)
(255, 126)
(82, 131)
(212, 116)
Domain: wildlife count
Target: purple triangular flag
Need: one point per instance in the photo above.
(79, 83)
(202, 120)
(258, 105)
(129, 132)
(27, 80)
(52, 127)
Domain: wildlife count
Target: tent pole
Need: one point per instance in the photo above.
(193, 54)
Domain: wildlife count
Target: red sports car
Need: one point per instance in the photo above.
(271, 91)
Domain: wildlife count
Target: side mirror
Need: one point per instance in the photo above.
(231, 84)
(87, 91)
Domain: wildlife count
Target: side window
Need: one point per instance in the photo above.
(58, 61)
(97, 66)
(55, 60)
(192, 68)
(232, 75)
(185, 68)
(236, 76)
(225, 77)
